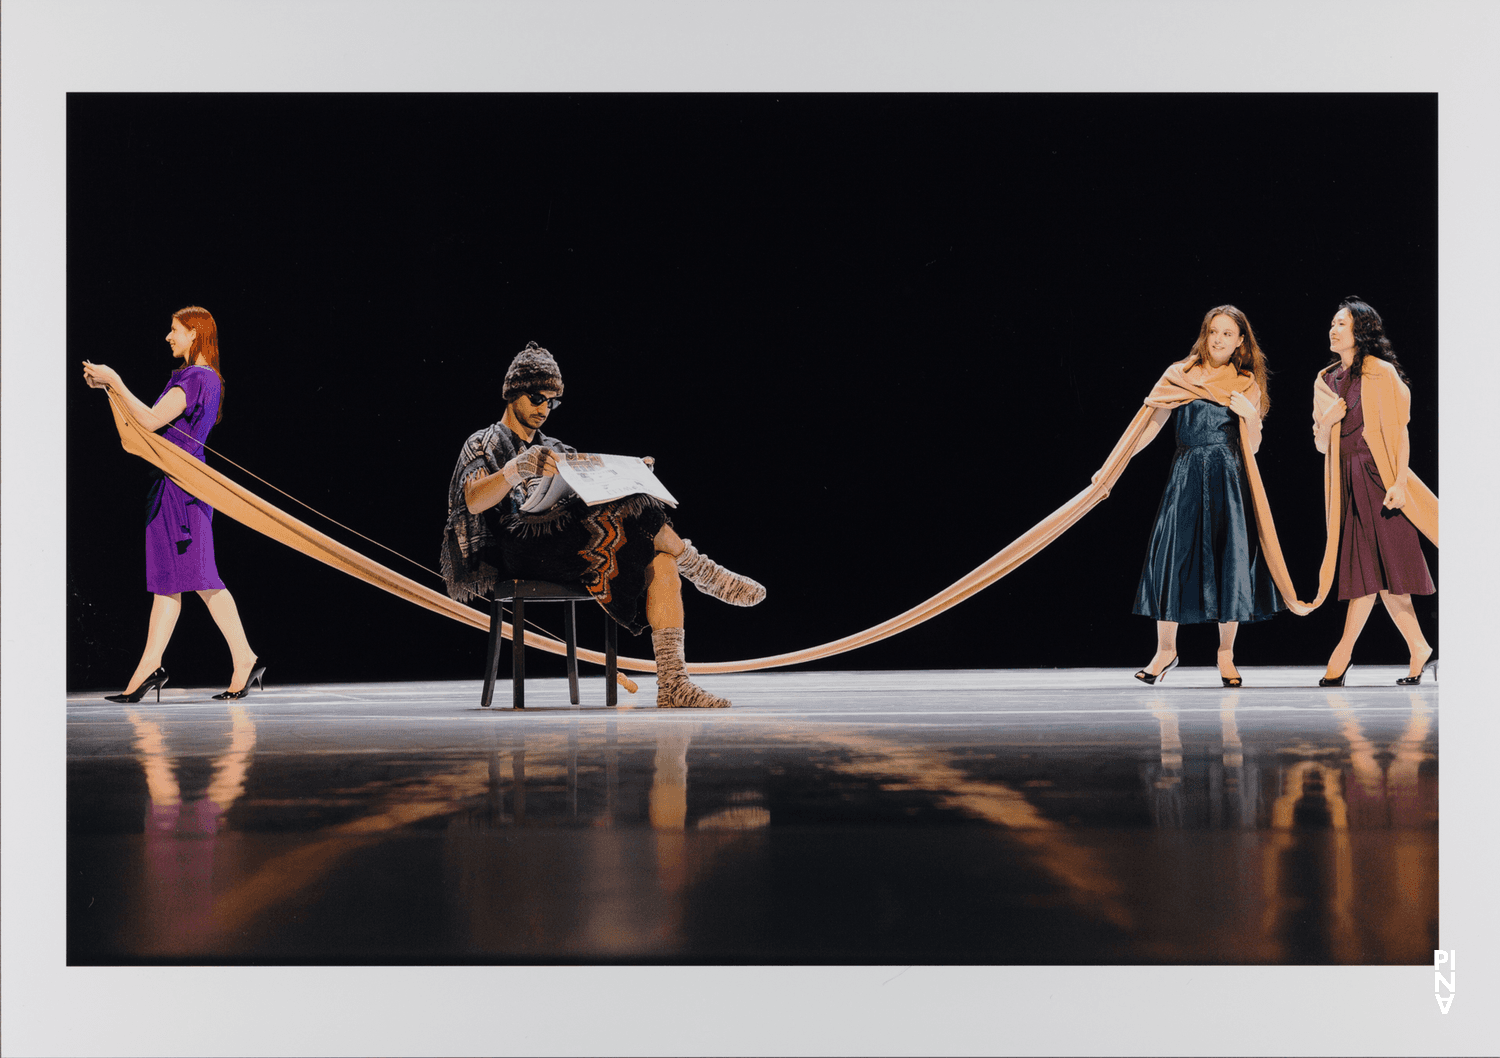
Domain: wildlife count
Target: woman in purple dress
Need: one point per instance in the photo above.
(179, 527)
(1380, 552)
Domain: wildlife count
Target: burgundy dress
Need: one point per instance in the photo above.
(1379, 549)
(179, 527)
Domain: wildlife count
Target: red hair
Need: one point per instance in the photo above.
(205, 343)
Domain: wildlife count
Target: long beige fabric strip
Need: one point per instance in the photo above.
(1270, 546)
(1387, 403)
(239, 503)
(244, 506)
(1387, 409)
(1332, 512)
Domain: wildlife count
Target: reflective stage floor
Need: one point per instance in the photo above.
(957, 817)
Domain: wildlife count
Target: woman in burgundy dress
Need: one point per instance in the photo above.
(179, 527)
(1379, 549)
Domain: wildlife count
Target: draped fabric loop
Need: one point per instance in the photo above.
(1174, 388)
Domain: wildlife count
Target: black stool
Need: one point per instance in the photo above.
(518, 593)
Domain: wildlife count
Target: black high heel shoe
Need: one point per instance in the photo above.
(1337, 681)
(154, 682)
(1412, 681)
(257, 677)
(1147, 677)
(1231, 681)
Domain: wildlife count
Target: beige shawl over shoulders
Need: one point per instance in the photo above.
(1387, 406)
(1177, 386)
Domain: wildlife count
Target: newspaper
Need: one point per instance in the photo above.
(596, 479)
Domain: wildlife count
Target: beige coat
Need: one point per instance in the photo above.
(1387, 407)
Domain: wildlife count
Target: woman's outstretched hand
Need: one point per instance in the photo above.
(100, 376)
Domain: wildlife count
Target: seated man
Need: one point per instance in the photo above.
(621, 552)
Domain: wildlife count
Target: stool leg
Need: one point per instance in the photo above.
(570, 636)
(611, 661)
(518, 654)
(491, 656)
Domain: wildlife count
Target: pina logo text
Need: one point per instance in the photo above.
(1444, 981)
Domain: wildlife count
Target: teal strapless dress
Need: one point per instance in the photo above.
(1204, 561)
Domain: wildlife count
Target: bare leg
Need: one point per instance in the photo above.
(226, 615)
(1227, 630)
(1166, 647)
(1354, 624)
(164, 611)
(666, 539)
(664, 590)
(1401, 611)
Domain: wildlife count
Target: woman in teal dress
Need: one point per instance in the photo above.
(1204, 561)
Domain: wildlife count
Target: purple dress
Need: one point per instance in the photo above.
(179, 527)
(1379, 550)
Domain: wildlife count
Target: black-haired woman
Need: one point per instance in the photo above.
(1382, 504)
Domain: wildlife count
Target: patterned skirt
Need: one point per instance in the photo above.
(607, 548)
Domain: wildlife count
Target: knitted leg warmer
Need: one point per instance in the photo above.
(673, 688)
(713, 579)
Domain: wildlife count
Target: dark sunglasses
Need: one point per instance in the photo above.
(537, 400)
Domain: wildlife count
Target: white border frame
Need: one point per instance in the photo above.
(51, 47)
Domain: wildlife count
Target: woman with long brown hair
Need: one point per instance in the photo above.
(179, 527)
(1204, 561)
(1382, 504)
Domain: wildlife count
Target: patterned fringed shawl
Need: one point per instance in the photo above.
(467, 537)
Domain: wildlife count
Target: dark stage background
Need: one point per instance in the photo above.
(869, 339)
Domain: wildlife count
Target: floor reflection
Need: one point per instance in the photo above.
(1328, 891)
(181, 831)
(1189, 827)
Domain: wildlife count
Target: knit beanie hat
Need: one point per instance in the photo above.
(531, 370)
